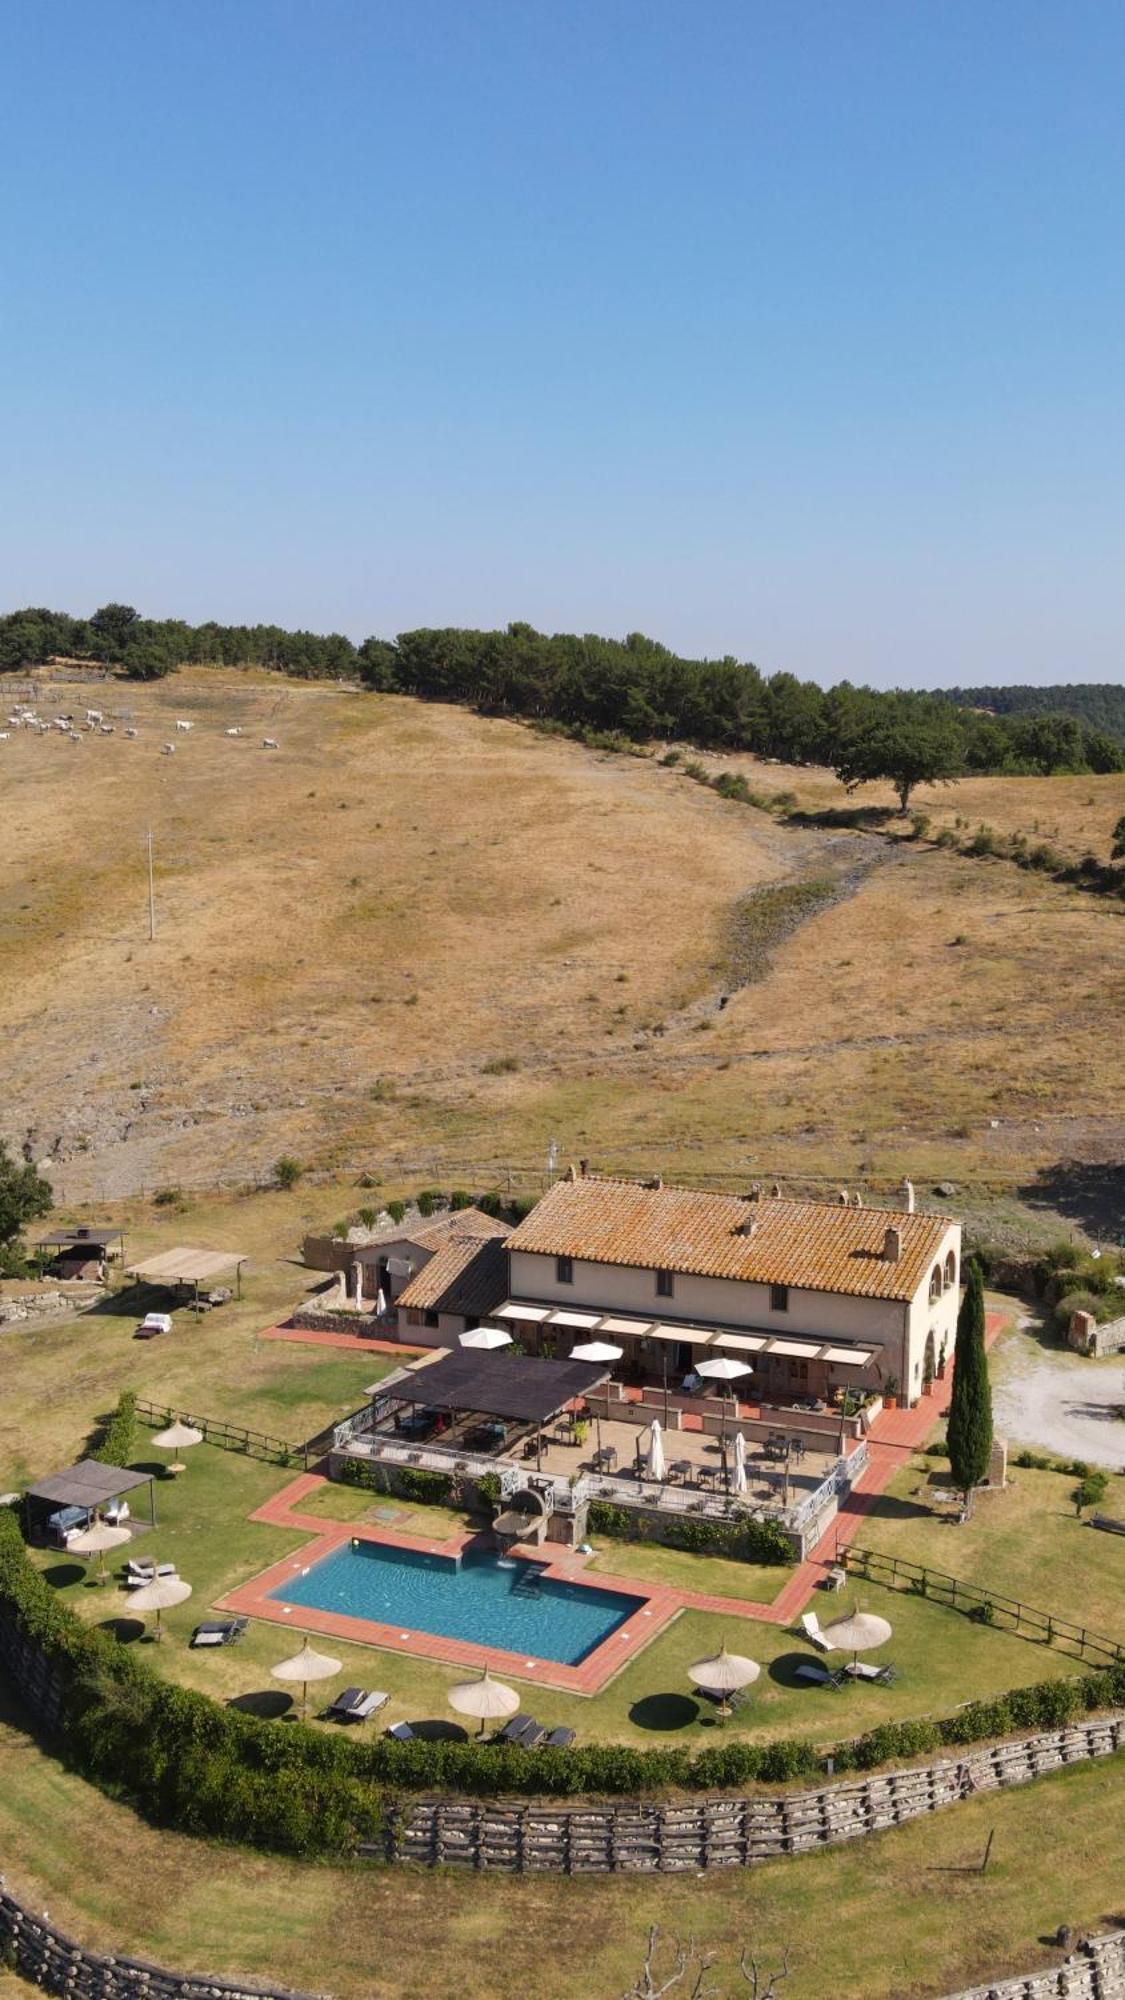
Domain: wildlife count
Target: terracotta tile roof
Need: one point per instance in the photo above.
(429, 1233)
(818, 1245)
(468, 1275)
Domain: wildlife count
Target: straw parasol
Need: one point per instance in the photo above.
(724, 1673)
(485, 1698)
(96, 1539)
(655, 1463)
(485, 1337)
(178, 1437)
(160, 1595)
(306, 1666)
(859, 1633)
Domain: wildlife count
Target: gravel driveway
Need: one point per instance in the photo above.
(1056, 1401)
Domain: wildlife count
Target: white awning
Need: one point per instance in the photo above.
(746, 1343)
(807, 1349)
(637, 1328)
(532, 1313)
(583, 1320)
(692, 1336)
(848, 1357)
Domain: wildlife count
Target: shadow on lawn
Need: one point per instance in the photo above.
(268, 1704)
(60, 1576)
(889, 1508)
(126, 1630)
(783, 1670)
(440, 1732)
(664, 1711)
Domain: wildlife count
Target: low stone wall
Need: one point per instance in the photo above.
(639, 1838)
(33, 1947)
(1096, 1971)
(59, 1302)
(316, 1319)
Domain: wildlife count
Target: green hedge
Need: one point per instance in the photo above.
(408, 1481)
(741, 1540)
(118, 1435)
(187, 1761)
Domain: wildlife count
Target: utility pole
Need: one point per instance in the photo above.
(151, 891)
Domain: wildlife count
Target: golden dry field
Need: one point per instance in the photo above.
(420, 943)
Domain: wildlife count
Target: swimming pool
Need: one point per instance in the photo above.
(498, 1602)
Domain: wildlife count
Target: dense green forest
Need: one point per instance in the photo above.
(631, 688)
(1099, 704)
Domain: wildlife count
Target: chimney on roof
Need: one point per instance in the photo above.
(843, 1197)
(656, 1183)
(908, 1196)
(583, 1168)
(857, 1199)
(777, 1190)
(745, 1227)
(892, 1245)
(570, 1174)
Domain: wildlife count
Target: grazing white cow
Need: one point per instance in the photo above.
(185, 725)
(269, 743)
(93, 715)
(75, 735)
(232, 732)
(168, 750)
(105, 728)
(130, 732)
(4, 734)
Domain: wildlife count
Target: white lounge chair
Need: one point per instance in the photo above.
(811, 1627)
(402, 1732)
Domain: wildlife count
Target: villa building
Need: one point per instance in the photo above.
(815, 1296)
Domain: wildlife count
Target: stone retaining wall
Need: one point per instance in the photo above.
(17, 1308)
(641, 1838)
(1096, 1971)
(43, 1955)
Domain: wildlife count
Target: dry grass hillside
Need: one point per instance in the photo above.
(412, 938)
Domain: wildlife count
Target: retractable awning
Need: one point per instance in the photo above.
(788, 1346)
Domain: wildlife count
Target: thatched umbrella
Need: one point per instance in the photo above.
(160, 1595)
(724, 1673)
(96, 1539)
(485, 1698)
(178, 1437)
(306, 1666)
(859, 1633)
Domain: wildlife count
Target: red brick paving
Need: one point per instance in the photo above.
(894, 1433)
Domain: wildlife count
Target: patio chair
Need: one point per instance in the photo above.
(811, 1670)
(219, 1632)
(513, 1731)
(559, 1739)
(888, 1674)
(139, 1573)
(355, 1704)
(810, 1626)
(402, 1732)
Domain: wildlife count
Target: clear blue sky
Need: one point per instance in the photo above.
(794, 330)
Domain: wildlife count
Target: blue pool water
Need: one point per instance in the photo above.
(508, 1604)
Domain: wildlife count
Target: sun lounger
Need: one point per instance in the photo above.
(811, 1670)
(355, 1704)
(219, 1632)
(861, 1671)
(138, 1573)
(810, 1626)
(559, 1739)
(532, 1736)
(512, 1731)
(402, 1732)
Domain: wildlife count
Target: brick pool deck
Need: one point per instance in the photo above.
(894, 1434)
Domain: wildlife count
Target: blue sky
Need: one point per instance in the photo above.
(793, 330)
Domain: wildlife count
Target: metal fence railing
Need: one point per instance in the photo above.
(992, 1607)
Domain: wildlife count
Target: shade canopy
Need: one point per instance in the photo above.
(725, 1671)
(97, 1538)
(484, 1339)
(484, 1698)
(306, 1666)
(596, 1350)
(178, 1437)
(519, 1387)
(722, 1369)
(88, 1484)
(160, 1595)
(858, 1633)
(185, 1266)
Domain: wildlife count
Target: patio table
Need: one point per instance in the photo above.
(680, 1469)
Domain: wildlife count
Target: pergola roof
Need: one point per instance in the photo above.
(187, 1267)
(516, 1386)
(96, 1236)
(88, 1484)
(808, 1348)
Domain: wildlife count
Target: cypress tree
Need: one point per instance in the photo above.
(970, 1406)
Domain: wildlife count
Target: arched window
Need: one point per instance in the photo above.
(935, 1283)
(950, 1271)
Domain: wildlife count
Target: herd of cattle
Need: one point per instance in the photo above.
(94, 723)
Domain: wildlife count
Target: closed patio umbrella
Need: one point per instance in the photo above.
(739, 1462)
(96, 1539)
(178, 1437)
(484, 1698)
(724, 1673)
(861, 1632)
(655, 1462)
(485, 1338)
(306, 1666)
(158, 1596)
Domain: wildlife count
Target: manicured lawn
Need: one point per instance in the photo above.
(757, 1582)
(905, 1911)
(1026, 1542)
(942, 1658)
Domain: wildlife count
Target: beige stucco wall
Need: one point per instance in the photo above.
(940, 1318)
